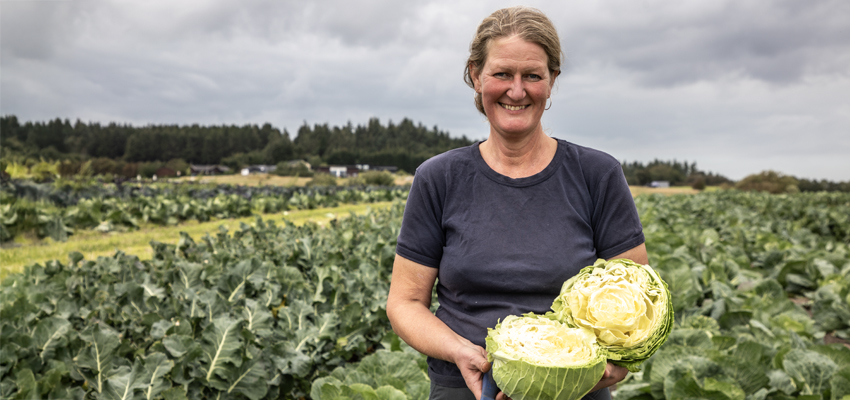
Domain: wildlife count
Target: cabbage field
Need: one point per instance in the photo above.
(56, 210)
(760, 286)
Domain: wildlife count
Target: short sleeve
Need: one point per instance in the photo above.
(422, 237)
(616, 224)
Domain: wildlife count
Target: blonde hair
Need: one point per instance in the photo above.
(528, 23)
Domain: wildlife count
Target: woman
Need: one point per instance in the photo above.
(504, 222)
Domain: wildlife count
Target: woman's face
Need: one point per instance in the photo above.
(514, 84)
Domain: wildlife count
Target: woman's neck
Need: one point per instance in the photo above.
(519, 158)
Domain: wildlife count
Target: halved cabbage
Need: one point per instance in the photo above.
(624, 303)
(536, 357)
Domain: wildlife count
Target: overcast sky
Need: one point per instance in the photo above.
(736, 86)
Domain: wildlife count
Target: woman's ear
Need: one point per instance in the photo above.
(554, 76)
(476, 77)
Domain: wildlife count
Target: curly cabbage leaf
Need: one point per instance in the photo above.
(536, 357)
(626, 304)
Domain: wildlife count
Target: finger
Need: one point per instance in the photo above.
(484, 366)
(502, 396)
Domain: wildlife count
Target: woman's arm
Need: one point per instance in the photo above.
(408, 308)
(637, 254)
(614, 373)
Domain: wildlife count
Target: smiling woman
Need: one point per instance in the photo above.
(514, 85)
(500, 225)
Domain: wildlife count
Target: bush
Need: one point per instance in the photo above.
(45, 170)
(130, 170)
(373, 178)
(322, 180)
(179, 165)
(289, 168)
(69, 168)
(769, 181)
(148, 169)
(698, 184)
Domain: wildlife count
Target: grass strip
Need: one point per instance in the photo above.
(93, 244)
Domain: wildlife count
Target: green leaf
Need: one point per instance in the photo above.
(175, 393)
(258, 319)
(326, 388)
(156, 365)
(663, 362)
(96, 358)
(734, 318)
(221, 343)
(747, 366)
(840, 384)
(390, 393)
(249, 379)
(50, 334)
(779, 380)
(684, 381)
(159, 328)
(687, 387)
(124, 383)
(290, 360)
(811, 371)
(178, 345)
(27, 385)
(684, 288)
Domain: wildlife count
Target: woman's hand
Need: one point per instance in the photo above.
(472, 362)
(613, 374)
(408, 310)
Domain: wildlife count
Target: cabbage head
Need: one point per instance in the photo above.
(537, 357)
(624, 303)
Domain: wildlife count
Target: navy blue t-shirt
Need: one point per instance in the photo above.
(505, 246)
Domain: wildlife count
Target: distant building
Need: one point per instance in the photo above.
(351, 171)
(262, 169)
(208, 169)
(659, 184)
(339, 171)
(298, 163)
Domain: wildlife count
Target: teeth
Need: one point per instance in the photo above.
(512, 108)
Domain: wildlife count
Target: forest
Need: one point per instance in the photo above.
(403, 144)
(93, 148)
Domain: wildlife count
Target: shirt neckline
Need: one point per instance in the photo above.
(519, 182)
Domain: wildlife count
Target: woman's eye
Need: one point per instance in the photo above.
(500, 75)
(534, 77)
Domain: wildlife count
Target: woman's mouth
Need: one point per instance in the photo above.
(512, 108)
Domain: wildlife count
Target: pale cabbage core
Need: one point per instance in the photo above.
(544, 342)
(620, 304)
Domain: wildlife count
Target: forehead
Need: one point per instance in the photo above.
(515, 50)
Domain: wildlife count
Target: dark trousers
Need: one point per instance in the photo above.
(447, 393)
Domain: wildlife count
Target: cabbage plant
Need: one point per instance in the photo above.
(537, 357)
(626, 305)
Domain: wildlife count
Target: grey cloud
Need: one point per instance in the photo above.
(35, 30)
(774, 41)
(731, 85)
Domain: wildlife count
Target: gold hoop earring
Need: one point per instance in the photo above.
(550, 104)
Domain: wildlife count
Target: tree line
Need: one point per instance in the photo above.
(675, 172)
(125, 150)
(404, 144)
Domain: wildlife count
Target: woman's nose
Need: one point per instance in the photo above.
(517, 90)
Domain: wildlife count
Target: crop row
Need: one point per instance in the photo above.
(760, 284)
(64, 193)
(257, 313)
(761, 287)
(19, 215)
